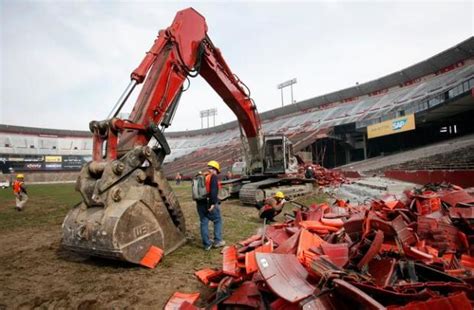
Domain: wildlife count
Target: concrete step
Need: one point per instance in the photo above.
(366, 189)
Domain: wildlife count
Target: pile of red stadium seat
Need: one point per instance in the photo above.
(410, 253)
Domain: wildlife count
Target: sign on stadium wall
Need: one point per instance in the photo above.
(53, 159)
(393, 126)
(26, 163)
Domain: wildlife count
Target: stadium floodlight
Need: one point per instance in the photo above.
(286, 84)
(208, 113)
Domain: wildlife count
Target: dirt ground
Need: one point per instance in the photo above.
(36, 273)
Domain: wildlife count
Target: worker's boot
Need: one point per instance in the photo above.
(219, 244)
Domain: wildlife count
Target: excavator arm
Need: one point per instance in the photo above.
(180, 51)
(128, 210)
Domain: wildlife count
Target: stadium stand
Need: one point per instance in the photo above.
(38, 152)
(333, 127)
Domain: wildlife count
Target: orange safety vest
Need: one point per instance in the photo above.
(208, 183)
(17, 186)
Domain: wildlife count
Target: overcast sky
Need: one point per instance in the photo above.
(64, 63)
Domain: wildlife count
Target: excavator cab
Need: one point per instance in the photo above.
(278, 155)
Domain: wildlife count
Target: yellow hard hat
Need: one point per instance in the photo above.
(20, 176)
(279, 195)
(214, 164)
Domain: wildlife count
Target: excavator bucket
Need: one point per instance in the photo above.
(128, 210)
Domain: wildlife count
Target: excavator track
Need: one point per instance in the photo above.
(256, 192)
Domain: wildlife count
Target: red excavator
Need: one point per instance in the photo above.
(128, 208)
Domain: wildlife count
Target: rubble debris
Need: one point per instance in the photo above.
(324, 177)
(408, 253)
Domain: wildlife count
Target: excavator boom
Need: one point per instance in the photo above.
(128, 209)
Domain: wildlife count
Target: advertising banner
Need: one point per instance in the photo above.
(53, 159)
(33, 166)
(393, 126)
(54, 166)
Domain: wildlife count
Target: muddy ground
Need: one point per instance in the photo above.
(36, 273)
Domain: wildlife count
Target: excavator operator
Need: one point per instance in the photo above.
(209, 208)
(271, 207)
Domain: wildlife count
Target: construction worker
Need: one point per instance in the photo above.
(209, 208)
(271, 207)
(19, 189)
(178, 178)
(309, 173)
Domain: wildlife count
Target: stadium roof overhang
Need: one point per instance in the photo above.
(463, 103)
(11, 129)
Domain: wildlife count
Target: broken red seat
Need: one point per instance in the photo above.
(307, 240)
(207, 275)
(374, 222)
(404, 234)
(337, 253)
(382, 270)
(389, 202)
(229, 261)
(456, 301)
(447, 237)
(285, 276)
(290, 245)
(467, 261)
(249, 240)
(255, 244)
(250, 260)
(389, 296)
(461, 212)
(152, 257)
(277, 234)
(456, 197)
(334, 222)
(292, 230)
(282, 304)
(425, 225)
(374, 249)
(246, 295)
(427, 203)
(315, 212)
(318, 227)
(353, 226)
(358, 298)
(182, 301)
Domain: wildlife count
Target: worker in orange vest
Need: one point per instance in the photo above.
(209, 208)
(271, 207)
(19, 189)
